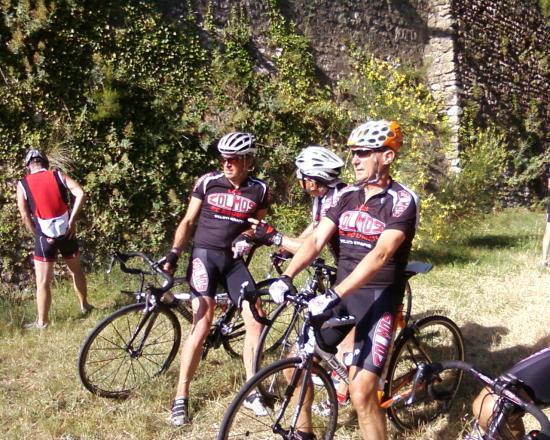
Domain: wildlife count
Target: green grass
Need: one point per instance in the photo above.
(487, 280)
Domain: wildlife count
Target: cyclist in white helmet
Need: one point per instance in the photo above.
(217, 213)
(318, 171)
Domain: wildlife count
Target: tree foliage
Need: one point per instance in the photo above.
(129, 102)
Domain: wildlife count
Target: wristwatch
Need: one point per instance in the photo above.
(277, 239)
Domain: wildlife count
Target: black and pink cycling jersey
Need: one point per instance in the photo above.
(225, 209)
(534, 373)
(360, 223)
(320, 207)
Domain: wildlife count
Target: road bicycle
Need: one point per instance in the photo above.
(509, 394)
(285, 384)
(281, 334)
(140, 340)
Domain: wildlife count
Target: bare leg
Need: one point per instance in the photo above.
(251, 339)
(346, 346)
(364, 397)
(203, 314)
(79, 281)
(546, 245)
(44, 275)
(483, 407)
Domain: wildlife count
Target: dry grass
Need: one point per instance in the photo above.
(488, 282)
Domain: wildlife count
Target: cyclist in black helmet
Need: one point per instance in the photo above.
(43, 202)
(220, 204)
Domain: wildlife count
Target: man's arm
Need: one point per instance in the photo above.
(387, 244)
(292, 244)
(24, 210)
(79, 198)
(187, 225)
(311, 247)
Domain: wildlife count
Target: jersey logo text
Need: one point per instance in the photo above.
(231, 202)
(382, 339)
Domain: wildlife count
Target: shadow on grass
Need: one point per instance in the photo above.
(479, 340)
(466, 251)
(494, 241)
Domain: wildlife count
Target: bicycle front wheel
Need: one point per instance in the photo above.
(431, 339)
(128, 348)
(278, 338)
(281, 385)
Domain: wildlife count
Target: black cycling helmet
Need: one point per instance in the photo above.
(36, 154)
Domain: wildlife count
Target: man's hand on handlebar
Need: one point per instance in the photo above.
(321, 307)
(280, 288)
(170, 261)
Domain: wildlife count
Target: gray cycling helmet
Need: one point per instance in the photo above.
(318, 163)
(35, 154)
(237, 144)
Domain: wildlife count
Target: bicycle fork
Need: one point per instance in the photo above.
(302, 372)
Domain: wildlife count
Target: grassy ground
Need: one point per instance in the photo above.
(488, 281)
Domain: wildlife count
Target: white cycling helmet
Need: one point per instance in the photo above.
(319, 164)
(374, 135)
(237, 144)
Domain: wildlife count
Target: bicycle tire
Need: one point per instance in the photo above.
(233, 341)
(431, 339)
(278, 338)
(407, 303)
(107, 367)
(239, 422)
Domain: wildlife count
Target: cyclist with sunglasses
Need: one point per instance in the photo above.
(220, 204)
(375, 224)
(318, 172)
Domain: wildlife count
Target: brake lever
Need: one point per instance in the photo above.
(418, 377)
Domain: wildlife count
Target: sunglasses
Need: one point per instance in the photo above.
(230, 160)
(361, 154)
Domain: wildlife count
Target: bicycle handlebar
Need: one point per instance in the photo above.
(123, 257)
(428, 372)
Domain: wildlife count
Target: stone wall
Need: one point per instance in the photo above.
(503, 59)
(491, 53)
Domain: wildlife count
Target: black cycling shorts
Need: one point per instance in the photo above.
(534, 373)
(45, 248)
(374, 310)
(208, 268)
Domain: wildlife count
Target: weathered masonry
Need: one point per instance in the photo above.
(493, 54)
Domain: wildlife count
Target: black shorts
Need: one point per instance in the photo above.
(45, 248)
(375, 311)
(208, 268)
(534, 373)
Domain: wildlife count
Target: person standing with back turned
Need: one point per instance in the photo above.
(375, 224)
(43, 202)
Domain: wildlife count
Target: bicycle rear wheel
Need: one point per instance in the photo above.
(233, 340)
(431, 339)
(278, 338)
(128, 348)
(281, 399)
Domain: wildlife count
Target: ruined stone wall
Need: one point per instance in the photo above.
(503, 59)
(491, 53)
